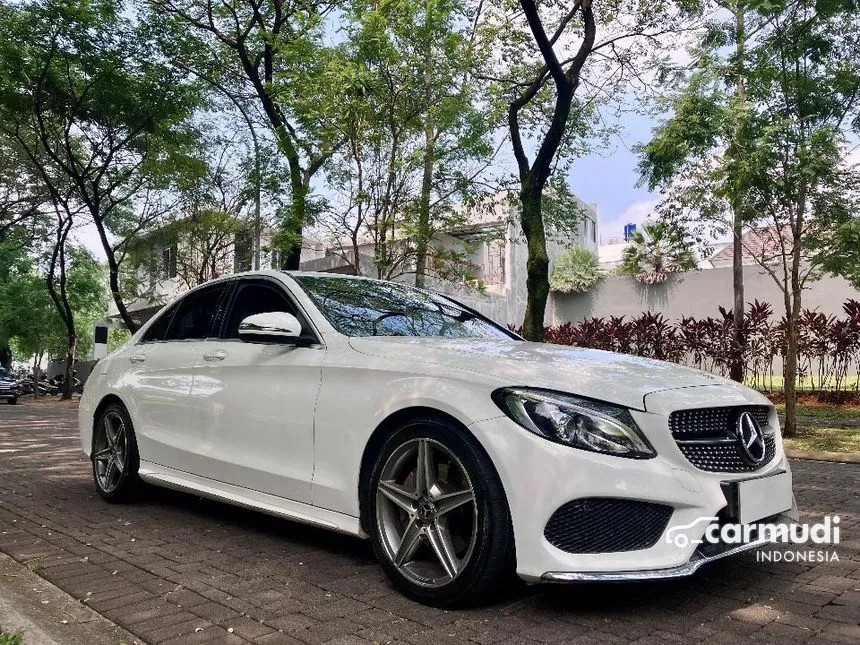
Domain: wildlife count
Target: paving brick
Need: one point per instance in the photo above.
(172, 564)
(251, 629)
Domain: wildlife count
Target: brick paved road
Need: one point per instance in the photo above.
(172, 564)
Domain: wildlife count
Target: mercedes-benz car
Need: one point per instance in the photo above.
(464, 453)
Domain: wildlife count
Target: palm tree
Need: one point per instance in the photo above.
(659, 249)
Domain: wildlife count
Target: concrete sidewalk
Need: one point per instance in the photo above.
(44, 615)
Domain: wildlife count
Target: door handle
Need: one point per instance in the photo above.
(136, 358)
(218, 355)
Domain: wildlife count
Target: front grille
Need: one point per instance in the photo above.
(607, 525)
(712, 422)
(707, 437)
(725, 458)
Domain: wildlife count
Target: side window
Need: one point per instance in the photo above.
(256, 298)
(196, 315)
(158, 329)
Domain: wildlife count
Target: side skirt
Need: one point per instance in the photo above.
(158, 475)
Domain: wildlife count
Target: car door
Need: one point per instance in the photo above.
(254, 401)
(160, 375)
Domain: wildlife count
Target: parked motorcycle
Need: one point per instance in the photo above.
(59, 380)
(46, 387)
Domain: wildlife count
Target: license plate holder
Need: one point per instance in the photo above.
(754, 499)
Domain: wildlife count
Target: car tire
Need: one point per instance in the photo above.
(115, 462)
(12, 401)
(438, 545)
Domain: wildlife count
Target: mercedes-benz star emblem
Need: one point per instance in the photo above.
(750, 438)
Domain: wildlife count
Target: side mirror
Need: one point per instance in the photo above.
(272, 326)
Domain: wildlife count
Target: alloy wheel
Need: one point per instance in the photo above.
(427, 513)
(110, 451)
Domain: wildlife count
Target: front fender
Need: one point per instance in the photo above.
(347, 415)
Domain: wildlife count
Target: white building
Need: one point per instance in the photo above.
(492, 238)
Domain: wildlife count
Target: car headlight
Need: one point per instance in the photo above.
(575, 421)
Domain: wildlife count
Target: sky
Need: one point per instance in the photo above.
(609, 180)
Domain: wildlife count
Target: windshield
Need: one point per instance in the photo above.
(371, 308)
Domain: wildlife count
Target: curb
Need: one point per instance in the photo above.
(45, 615)
(838, 457)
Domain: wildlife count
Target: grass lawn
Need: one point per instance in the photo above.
(776, 381)
(826, 440)
(825, 427)
(9, 639)
(823, 411)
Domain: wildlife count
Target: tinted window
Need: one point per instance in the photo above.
(158, 329)
(256, 298)
(371, 308)
(196, 315)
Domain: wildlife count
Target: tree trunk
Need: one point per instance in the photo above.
(423, 233)
(537, 265)
(298, 216)
(789, 372)
(736, 368)
(37, 359)
(5, 356)
(113, 270)
(533, 180)
(423, 237)
(68, 386)
(793, 303)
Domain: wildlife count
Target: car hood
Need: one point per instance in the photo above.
(615, 378)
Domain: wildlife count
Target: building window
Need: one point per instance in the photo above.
(495, 267)
(169, 262)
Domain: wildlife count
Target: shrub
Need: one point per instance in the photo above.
(576, 270)
(828, 346)
(659, 249)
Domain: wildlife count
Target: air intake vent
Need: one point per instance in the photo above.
(607, 525)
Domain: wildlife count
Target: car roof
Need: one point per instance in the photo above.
(298, 274)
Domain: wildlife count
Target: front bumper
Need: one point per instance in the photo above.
(540, 476)
(700, 556)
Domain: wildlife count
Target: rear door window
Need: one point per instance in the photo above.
(197, 315)
(158, 329)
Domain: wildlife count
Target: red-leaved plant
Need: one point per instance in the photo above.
(828, 346)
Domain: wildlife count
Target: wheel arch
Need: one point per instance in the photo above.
(107, 400)
(384, 429)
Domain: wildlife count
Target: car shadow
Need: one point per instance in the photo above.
(229, 515)
(727, 579)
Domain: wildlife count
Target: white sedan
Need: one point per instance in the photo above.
(462, 452)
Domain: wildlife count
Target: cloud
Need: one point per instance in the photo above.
(635, 213)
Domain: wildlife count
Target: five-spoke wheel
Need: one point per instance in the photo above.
(439, 522)
(114, 453)
(426, 510)
(110, 451)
